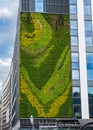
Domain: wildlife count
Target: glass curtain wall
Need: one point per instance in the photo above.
(89, 53)
(75, 58)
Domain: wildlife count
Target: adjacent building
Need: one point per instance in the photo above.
(10, 92)
(6, 104)
(52, 66)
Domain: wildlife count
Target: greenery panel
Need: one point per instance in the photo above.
(45, 72)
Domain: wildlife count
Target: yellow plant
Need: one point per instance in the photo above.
(35, 103)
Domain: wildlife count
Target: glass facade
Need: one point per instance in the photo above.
(88, 33)
(75, 58)
(89, 54)
(74, 44)
(47, 6)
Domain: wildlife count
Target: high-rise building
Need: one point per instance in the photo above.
(55, 65)
(6, 104)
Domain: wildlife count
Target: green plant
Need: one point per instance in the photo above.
(45, 75)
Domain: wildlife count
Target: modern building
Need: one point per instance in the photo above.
(6, 104)
(10, 92)
(52, 71)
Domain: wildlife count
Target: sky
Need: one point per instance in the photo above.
(8, 20)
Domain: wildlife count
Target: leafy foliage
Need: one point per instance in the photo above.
(45, 75)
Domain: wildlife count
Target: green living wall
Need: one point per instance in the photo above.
(45, 72)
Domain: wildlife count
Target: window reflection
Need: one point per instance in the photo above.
(74, 57)
(90, 74)
(75, 66)
(91, 110)
(73, 24)
(75, 74)
(77, 110)
(73, 9)
(90, 66)
(76, 92)
(88, 41)
(73, 1)
(89, 57)
(87, 2)
(90, 91)
(88, 32)
(74, 32)
(87, 10)
(74, 40)
(39, 5)
(88, 25)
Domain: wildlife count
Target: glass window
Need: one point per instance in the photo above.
(73, 24)
(38, 5)
(88, 41)
(75, 66)
(74, 40)
(88, 33)
(74, 57)
(76, 100)
(90, 91)
(75, 74)
(88, 25)
(74, 32)
(87, 10)
(87, 2)
(77, 110)
(73, 1)
(89, 66)
(89, 57)
(90, 74)
(76, 91)
(91, 110)
(73, 9)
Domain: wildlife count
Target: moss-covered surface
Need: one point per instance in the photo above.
(45, 75)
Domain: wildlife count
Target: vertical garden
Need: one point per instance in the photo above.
(45, 72)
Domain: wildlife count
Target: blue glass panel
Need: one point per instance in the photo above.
(76, 100)
(90, 74)
(76, 92)
(89, 66)
(89, 57)
(90, 92)
(74, 40)
(75, 66)
(74, 57)
(73, 9)
(88, 25)
(88, 33)
(73, 24)
(73, 1)
(74, 32)
(87, 2)
(88, 41)
(75, 74)
(91, 110)
(87, 10)
(39, 6)
(90, 100)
